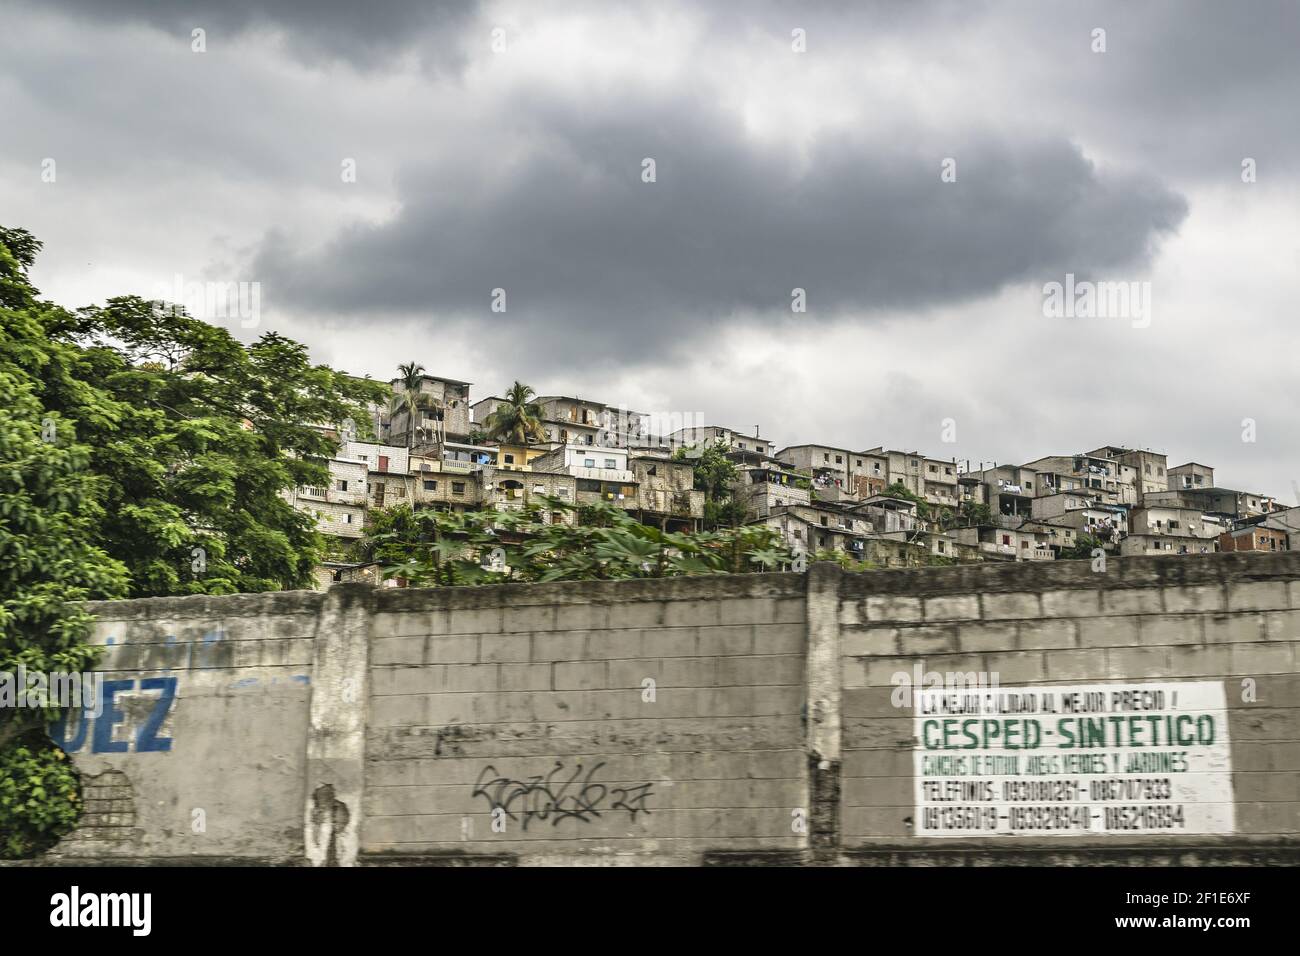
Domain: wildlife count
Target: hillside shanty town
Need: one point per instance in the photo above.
(436, 447)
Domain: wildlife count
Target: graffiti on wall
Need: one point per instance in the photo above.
(127, 721)
(559, 795)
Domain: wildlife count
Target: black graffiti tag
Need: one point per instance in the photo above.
(556, 797)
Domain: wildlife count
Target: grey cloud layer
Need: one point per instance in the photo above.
(479, 172)
(366, 34)
(582, 245)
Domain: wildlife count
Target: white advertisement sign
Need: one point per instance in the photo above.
(1085, 760)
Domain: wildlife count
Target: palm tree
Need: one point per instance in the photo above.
(518, 419)
(410, 399)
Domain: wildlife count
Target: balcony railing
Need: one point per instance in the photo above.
(333, 495)
(603, 474)
(460, 467)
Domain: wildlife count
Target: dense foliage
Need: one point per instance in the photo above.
(518, 419)
(716, 475)
(142, 452)
(431, 548)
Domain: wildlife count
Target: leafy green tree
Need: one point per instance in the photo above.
(715, 475)
(142, 452)
(899, 490)
(976, 513)
(197, 439)
(518, 419)
(432, 548)
(410, 400)
(1084, 544)
(51, 505)
(843, 559)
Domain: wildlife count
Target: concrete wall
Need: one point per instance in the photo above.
(203, 752)
(622, 722)
(1210, 618)
(741, 720)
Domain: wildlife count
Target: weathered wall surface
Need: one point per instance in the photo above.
(724, 720)
(200, 749)
(1223, 618)
(611, 721)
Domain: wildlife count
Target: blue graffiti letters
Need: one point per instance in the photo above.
(117, 708)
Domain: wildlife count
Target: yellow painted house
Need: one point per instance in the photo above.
(517, 457)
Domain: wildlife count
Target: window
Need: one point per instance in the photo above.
(510, 459)
(1147, 468)
(430, 485)
(826, 456)
(539, 489)
(611, 463)
(859, 462)
(934, 470)
(341, 485)
(1006, 539)
(1024, 544)
(458, 487)
(824, 522)
(563, 491)
(589, 462)
(839, 459)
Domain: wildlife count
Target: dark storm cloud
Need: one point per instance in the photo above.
(1185, 87)
(1190, 86)
(480, 171)
(367, 34)
(582, 246)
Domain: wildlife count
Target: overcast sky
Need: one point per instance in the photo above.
(502, 146)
